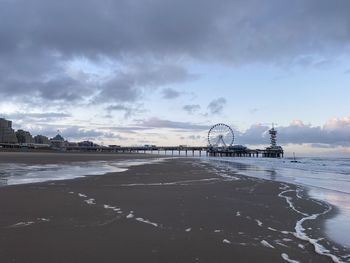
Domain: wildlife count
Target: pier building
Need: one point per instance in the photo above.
(220, 144)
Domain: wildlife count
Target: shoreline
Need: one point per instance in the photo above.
(316, 177)
(172, 215)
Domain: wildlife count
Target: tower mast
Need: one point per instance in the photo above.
(273, 136)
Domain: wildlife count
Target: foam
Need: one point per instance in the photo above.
(184, 182)
(146, 221)
(280, 243)
(301, 246)
(272, 229)
(290, 203)
(266, 244)
(286, 258)
(300, 230)
(108, 207)
(90, 201)
(319, 249)
(116, 209)
(258, 222)
(22, 224)
(226, 241)
(43, 219)
(130, 215)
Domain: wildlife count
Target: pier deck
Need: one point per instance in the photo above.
(189, 151)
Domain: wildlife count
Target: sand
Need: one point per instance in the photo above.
(179, 210)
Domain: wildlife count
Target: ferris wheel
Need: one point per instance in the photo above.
(220, 135)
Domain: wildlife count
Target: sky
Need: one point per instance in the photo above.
(134, 72)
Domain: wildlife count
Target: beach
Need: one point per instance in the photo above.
(173, 210)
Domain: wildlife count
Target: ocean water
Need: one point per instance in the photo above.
(327, 179)
(16, 173)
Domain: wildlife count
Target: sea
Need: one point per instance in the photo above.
(18, 173)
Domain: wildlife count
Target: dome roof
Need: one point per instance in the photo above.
(58, 138)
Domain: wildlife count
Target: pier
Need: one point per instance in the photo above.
(185, 151)
(220, 144)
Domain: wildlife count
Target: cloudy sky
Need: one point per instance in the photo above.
(132, 72)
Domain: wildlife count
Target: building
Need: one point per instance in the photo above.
(24, 137)
(7, 134)
(58, 142)
(274, 151)
(41, 139)
(86, 144)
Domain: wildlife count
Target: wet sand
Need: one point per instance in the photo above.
(57, 157)
(179, 210)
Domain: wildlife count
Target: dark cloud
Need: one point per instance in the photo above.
(76, 133)
(35, 49)
(334, 133)
(169, 93)
(62, 89)
(191, 108)
(126, 85)
(130, 85)
(216, 106)
(28, 116)
(238, 30)
(73, 133)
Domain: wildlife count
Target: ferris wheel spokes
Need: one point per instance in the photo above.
(220, 135)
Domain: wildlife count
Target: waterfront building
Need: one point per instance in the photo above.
(86, 144)
(24, 137)
(41, 139)
(7, 134)
(58, 142)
